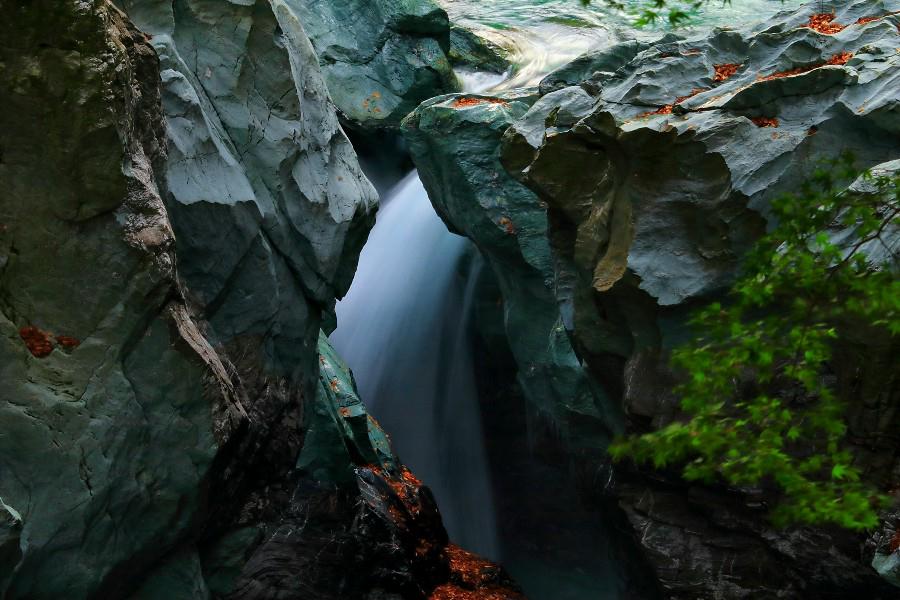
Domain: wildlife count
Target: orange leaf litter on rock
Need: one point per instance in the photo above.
(838, 59)
(824, 23)
(474, 575)
(864, 20)
(765, 121)
(725, 71)
(894, 544)
(67, 342)
(472, 569)
(693, 93)
(38, 342)
(667, 109)
(461, 102)
(448, 591)
(399, 486)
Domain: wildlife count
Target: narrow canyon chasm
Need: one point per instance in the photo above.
(351, 299)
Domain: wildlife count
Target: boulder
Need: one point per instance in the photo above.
(341, 435)
(657, 186)
(380, 58)
(267, 199)
(113, 406)
(182, 208)
(471, 51)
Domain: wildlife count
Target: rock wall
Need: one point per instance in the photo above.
(114, 406)
(268, 201)
(380, 58)
(655, 164)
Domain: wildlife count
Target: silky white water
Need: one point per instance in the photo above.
(403, 330)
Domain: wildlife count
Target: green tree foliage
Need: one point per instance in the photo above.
(758, 406)
(676, 12)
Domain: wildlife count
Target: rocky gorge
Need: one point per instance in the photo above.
(187, 192)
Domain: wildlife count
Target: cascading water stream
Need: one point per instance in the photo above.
(404, 325)
(403, 329)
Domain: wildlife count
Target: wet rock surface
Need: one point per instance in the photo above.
(380, 58)
(469, 50)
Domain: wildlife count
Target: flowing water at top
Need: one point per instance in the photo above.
(542, 35)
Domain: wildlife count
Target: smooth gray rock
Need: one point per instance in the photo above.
(113, 406)
(380, 58)
(267, 200)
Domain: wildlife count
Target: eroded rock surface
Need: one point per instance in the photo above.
(266, 196)
(380, 58)
(655, 188)
(656, 164)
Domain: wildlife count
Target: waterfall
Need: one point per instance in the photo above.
(403, 330)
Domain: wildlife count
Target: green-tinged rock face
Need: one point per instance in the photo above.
(888, 566)
(455, 141)
(111, 404)
(10, 535)
(469, 50)
(380, 58)
(266, 197)
(657, 163)
(659, 184)
(341, 434)
(180, 577)
(124, 432)
(650, 169)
